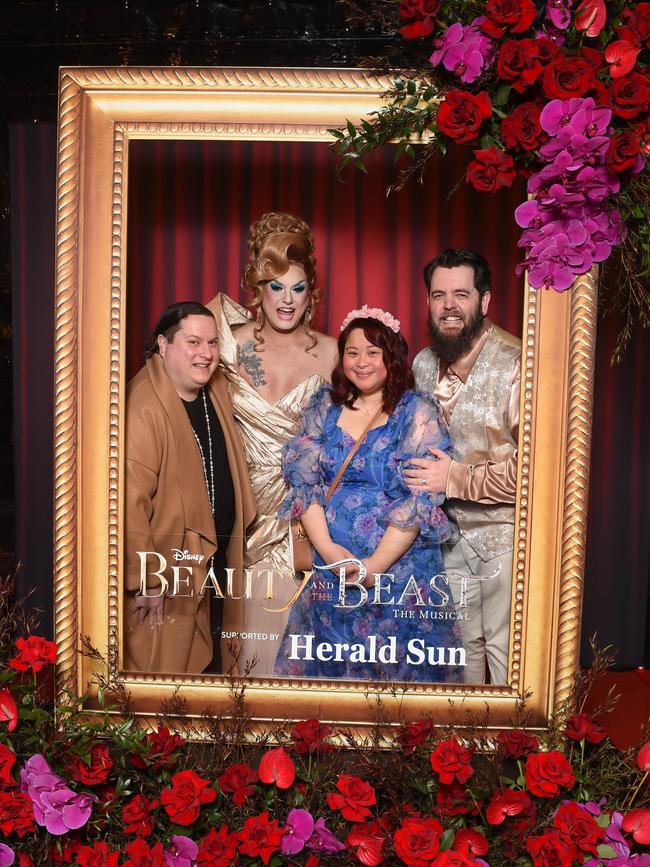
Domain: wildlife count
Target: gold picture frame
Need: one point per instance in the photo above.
(101, 111)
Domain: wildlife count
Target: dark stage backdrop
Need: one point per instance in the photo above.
(190, 205)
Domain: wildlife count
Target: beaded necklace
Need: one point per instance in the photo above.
(209, 482)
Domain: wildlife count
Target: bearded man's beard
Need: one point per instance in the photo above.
(451, 347)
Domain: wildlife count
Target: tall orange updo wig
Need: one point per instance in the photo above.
(275, 242)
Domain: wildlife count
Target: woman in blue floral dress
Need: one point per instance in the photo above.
(389, 614)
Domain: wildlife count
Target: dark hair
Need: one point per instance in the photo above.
(455, 256)
(395, 349)
(170, 321)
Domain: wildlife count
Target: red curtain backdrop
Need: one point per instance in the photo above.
(191, 203)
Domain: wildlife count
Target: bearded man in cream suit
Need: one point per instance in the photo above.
(473, 368)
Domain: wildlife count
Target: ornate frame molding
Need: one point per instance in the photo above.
(101, 110)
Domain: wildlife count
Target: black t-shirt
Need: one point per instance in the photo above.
(224, 493)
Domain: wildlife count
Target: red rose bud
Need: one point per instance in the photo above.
(582, 726)
(183, 800)
(238, 781)
(417, 842)
(461, 114)
(452, 761)
(34, 652)
(96, 771)
(547, 773)
(502, 16)
(490, 170)
(277, 767)
(419, 15)
(517, 743)
(353, 799)
(624, 151)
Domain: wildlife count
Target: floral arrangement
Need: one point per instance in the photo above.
(557, 93)
(100, 791)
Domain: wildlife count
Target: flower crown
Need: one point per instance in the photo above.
(372, 313)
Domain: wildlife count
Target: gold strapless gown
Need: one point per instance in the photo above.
(265, 428)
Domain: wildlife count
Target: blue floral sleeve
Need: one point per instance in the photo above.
(423, 427)
(301, 458)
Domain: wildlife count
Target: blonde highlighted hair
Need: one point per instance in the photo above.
(275, 242)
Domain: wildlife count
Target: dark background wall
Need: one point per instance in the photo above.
(38, 36)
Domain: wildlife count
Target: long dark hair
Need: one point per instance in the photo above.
(395, 349)
(170, 321)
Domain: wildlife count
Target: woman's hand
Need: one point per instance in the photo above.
(334, 553)
(149, 608)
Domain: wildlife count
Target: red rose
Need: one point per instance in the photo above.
(461, 114)
(643, 756)
(451, 858)
(183, 801)
(97, 855)
(503, 16)
(637, 823)
(137, 815)
(546, 773)
(517, 743)
(34, 652)
(578, 828)
(519, 63)
(159, 750)
(547, 50)
(417, 841)
(630, 95)
(353, 798)
(308, 737)
(453, 800)
(368, 842)
(7, 761)
(95, 772)
(260, 838)
(238, 780)
(415, 733)
(8, 709)
(24, 860)
(467, 841)
(490, 170)
(582, 726)
(218, 849)
(637, 18)
(590, 16)
(508, 802)
(567, 77)
(277, 767)
(141, 854)
(420, 15)
(451, 761)
(16, 814)
(549, 851)
(522, 129)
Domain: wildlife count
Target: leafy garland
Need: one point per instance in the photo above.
(101, 791)
(555, 92)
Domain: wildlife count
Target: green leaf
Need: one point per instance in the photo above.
(351, 129)
(487, 141)
(411, 87)
(501, 96)
(409, 151)
(605, 851)
(447, 839)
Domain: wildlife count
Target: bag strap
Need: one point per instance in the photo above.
(350, 455)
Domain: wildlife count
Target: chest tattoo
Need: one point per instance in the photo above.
(252, 363)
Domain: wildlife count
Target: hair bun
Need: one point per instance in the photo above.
(275, 223)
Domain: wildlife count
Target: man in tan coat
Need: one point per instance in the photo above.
(188, 503)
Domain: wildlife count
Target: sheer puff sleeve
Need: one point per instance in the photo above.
(301, 458)
(422, 426)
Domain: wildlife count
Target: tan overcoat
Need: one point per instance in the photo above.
(168, 515)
